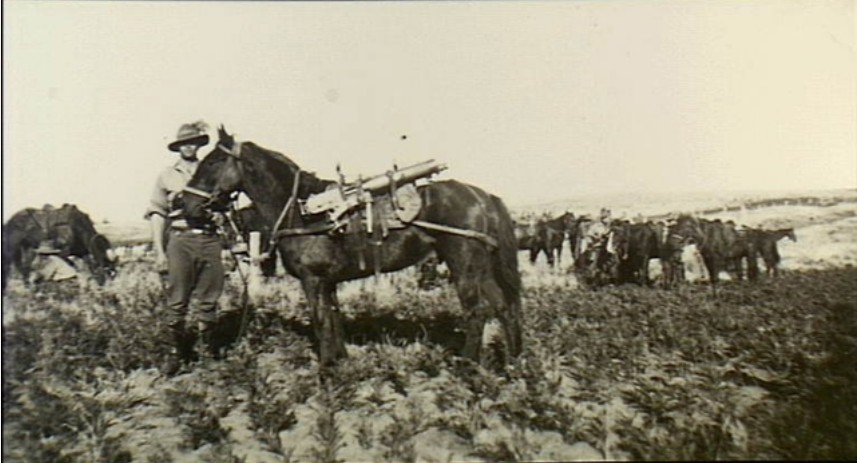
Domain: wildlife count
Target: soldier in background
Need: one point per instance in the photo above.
(49, 265)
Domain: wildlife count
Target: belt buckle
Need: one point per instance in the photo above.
(187, 231)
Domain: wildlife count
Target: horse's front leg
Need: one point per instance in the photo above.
(24, 263)
(644, 271)
(712, 266)
(667, 272)
(550, 255)
(334, 320)
(534, 254)
(752, 267)
(739, 269)
(326, 319)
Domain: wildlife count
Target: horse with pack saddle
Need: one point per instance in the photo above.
(723, 248)
(64, 232)
(329, 231)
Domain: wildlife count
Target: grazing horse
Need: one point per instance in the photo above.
(469, 229)
(721, 246)
(66, 229)
(766, 243)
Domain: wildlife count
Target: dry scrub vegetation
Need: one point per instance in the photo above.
(763, 371)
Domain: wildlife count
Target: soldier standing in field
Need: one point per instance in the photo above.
(191, 257)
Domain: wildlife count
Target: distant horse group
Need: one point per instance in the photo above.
(619, 251)
(726, 248)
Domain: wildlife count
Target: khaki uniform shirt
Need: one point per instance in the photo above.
(594, 233)
(51, 268)
(170, 184)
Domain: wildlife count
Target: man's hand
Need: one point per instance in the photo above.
(161, 262)
(158, 223)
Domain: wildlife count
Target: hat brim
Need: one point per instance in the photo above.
(198, 140)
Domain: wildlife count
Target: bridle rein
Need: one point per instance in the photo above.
(212, 197)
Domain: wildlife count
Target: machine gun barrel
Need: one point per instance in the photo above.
(333, 199)
(408, 174)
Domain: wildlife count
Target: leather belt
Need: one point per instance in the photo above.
(193, 231)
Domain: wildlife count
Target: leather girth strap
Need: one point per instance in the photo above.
(489, 240)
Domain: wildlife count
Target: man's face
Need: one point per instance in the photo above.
(188, 151)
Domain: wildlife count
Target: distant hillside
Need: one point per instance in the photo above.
(657, 205)
(126, 233)
(650, 206)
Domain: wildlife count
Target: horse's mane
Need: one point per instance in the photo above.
(273, 155)
(281, 167)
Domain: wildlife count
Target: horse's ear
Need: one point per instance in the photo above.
(224, 137)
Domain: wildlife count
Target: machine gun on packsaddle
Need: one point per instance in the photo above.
(369, 208)
(387, 199)
(365, 211)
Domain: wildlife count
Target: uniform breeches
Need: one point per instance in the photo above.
(195, 270)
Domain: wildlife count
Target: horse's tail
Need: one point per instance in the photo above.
(506, 271)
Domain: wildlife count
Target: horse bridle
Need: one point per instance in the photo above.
(213, 196)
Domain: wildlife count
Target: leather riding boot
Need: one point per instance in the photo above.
(179, 354)
(208, 348)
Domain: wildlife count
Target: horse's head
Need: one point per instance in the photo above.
(689, 228)
(790, 233)
(217, 177)
(103, 266)
(568, 220)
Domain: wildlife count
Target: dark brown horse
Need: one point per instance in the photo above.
(555, 232)
(722, 247)
(67, 229)
(636, 244)
(766, 243)
(483, 265)
(530, 237)
(545, 235)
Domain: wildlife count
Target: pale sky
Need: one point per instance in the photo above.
(533, 101)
